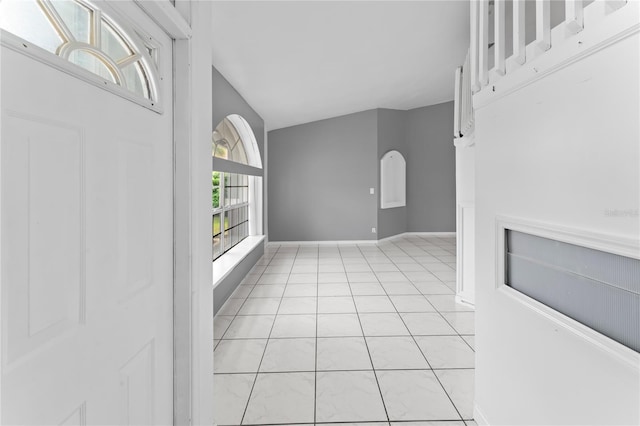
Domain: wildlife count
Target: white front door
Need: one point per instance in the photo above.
(86, 246)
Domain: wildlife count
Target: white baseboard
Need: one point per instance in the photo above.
(347, 242)
(466, 299)
(432, 234)
(479, 418)
(319, 243)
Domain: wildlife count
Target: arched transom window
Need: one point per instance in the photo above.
(234, 140)
(81, 33)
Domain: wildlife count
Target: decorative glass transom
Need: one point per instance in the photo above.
(79, 32)
(234, 140)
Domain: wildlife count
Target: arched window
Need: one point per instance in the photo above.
(79, 31)
(236, 198)
(234, 140)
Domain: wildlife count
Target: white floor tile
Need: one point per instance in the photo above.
(447, 303)
(395, 353)
(331, 267)
(250, 327)
(361, 277)
(367, 289)
(471, 340)
(384, 279)
(386, 324)
(392, 277)
(242, 292)
(357, 267)
(446, 351)
(343, 353)
(412, 303)
(230, 307)
(304, 269)
(220, 325)
(260, 306)
(294, 326)
(433, 288)
(433, 423)
(300, 278)
(277, 269)
(336, 325)
(251, 279)
(400, 288)
(298, 305)
(463, 322)
(273, 279)
(275, 290)
(339, 289)
(411, 267)
(332, 277)
(415, 395)
(459, 384)
(439, 267)
(231, 393)
(281, 398)
(239, 356)
(301, 290)
(336, 305)
(349, 396)
(421, 277)
(427, 324)
(373, 304)
(384, 267)
(286, 355)
(356, 424)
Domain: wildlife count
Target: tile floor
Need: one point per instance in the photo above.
(367, 334)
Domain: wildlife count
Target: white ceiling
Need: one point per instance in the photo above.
(301, 61)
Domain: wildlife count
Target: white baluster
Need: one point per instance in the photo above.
(457, 104)
(519, 46)
(475, 84)
(499, 36)
(574, 13)
(483, 41)
(543, 24)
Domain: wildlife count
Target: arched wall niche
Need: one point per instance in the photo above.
(393, 180)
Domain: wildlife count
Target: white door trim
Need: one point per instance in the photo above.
(193, 288)
(188, 23)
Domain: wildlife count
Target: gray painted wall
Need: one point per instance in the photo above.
(226, 101)
(320, 174)
(431, 174)
(391, 136)
(319, 179)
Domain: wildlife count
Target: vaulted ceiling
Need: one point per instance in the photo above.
(301, 61)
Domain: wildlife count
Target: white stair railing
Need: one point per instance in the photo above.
(488, 62)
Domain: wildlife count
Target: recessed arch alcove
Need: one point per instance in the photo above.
(393, 180)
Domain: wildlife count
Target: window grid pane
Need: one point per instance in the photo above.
(231, 225)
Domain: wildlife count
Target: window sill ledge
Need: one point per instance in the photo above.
(223, 265)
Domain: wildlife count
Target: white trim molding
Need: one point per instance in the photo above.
(465, 290)
(347, 242)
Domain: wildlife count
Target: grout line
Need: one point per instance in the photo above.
(263, 353)
(425, 357)
(315, 373)
(344, 370)
(375, 375)
(367, 257)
